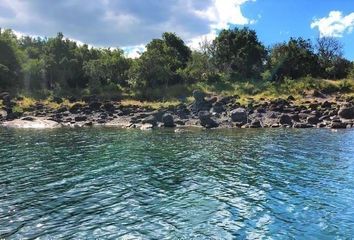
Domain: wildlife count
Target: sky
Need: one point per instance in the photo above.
(130, 24)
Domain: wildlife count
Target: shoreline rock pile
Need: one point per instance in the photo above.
(207, 112)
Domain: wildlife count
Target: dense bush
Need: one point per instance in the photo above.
(61, 67)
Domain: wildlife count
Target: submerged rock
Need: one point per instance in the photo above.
(33, 123)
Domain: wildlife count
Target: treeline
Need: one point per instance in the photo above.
(61, 67)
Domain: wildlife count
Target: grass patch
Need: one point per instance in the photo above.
(148, 104)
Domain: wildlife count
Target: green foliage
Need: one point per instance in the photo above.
(161, 63)
(111, 69)
(236, 62)
(239, 51)
(294, 59)
(351, 72)
(10, 65)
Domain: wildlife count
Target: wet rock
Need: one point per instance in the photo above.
(168, 120)
(89, 124)
(285, 119)
(206, 120)
(346, 112)
(338, 125)
(302, 125)
(80, 118)
(313, 120)
(256, 123)
(146, 126)
(150, 120)
(239, 115)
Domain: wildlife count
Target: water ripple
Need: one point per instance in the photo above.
(244, 184)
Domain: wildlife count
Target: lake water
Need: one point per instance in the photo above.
(222, 184)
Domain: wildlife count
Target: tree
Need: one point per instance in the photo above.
(161, 63)
(110, 68)
(239, 51)
(294, 59)
(10, 65)
(330, 56)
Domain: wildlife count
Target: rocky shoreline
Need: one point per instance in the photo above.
(208, 112)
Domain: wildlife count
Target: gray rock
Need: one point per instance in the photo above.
(285, 119)
(150, 120)
(256, 123)
(200, 104)
(346, 112)
(206, 121)
(109, 107)
(95, 106)
(80, 118)
(338, 125)
(218, 107)
(76, 108)
(313, 120)
(239, 115)
(302, 125)
(168, 120)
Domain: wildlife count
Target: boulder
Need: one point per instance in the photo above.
(206, 120)
(285, 119)
(239, 115)
(218, 107)
(94, 106)
(150, 120)
(109, 107)
(256, 123)
(76, 108)
(168, 120)
(338, 125)
(200, 104)
(346, 112)
(313, 120)
(80, 118)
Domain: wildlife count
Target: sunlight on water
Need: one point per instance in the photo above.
(225, 184)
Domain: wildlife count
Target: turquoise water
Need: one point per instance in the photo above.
(126, 184)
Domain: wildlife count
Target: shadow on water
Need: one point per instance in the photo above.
(104, 182)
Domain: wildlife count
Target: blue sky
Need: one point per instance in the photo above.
(130, 24)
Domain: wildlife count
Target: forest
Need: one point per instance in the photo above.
(60, 67)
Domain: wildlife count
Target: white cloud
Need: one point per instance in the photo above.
(134, 51)
(120, 23)
(335, 25)
(221, 14)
